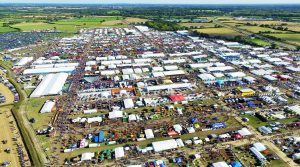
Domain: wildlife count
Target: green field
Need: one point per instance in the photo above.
(259, 42)
(223, 32)
(6, 29)
(41, 119)
(257, 29)
(73, 25)
(198, 25)
(69, 25)
(249, 160)
(256, 122)
(293, 38)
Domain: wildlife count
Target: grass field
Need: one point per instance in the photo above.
(256, 122)
(73, 25)
(144, 143)
(7, 93)
(6, 29)
(33, 107)
(259, 42)
(198, 25)
(94, 19)
(249, 160)
(124, 22)
(293, 38)
(223, 32)
(294, 26)
(257, 29)
(72, 28)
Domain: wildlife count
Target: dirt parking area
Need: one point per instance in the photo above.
(7, 93)
(11, 145)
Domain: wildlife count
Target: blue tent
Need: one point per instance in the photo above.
(236, 164)
(220, 82)
(239, 81)
(218, 125)
(193, 120)
(178, 160)
(96, 139)
(251, 104)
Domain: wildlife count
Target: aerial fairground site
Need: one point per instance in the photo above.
(149, 83)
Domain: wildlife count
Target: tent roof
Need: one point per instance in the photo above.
(176, 97)
(119, 152)
(164, 145)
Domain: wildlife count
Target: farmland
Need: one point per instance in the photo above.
(73, 25)
(292, 38)
(198, 25)
(258, 42)
(6, 29)
(222, 32)
(256, 29)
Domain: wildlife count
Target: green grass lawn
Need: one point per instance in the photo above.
(293, 38)
(33, 111)
(256, 122)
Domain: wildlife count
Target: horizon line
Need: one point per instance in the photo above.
(128, 3)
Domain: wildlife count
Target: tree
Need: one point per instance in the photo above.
(273, 46)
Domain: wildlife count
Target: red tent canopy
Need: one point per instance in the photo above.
(176, 97)
(237, 136)
(172, 133)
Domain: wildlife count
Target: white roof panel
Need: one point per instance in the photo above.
(51, 84)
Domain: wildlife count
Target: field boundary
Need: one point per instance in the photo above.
(35, 155)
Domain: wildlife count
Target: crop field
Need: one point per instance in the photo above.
(293, 38)
(223, 32)
(198, 25)
(257, 29)
(293, 26)
(94, 19)
(123, 22)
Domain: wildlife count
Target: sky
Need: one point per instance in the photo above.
(157, 1)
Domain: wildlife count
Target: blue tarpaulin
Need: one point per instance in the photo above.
(218, 125)
(236, 164)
